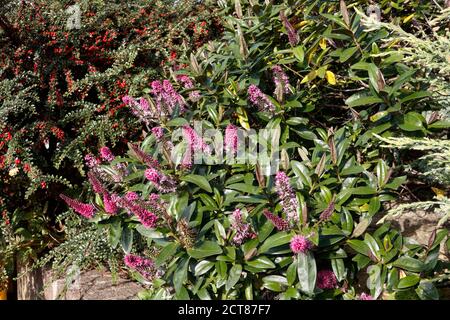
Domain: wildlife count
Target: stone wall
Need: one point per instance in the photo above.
(90, 285)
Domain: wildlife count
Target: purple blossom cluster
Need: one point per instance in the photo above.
(91, 161)
(365, 296)
(294, 39)
(97, 186)
(106, 154)
(277, 221)
(281, 80)
(166, 97)
(326, 279)
(158, 132)
(134, 205)
(108, 201)
(287, 196)
(187, 83)
(260, 100)
(144, 157)
(195, 143)
(231, 139)
(162, 182)
(243, 229)
(144, 266)
(300, 244)
(141, 109)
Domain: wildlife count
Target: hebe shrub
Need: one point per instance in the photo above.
(323, 84)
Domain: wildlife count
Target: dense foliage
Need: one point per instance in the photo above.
(327, 81)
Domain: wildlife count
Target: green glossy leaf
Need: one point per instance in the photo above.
(180, 274)
(276, 240)
(203, 267)
(357, 101)
(234, 276)
(126, 240)
(200, 181)
(167, 252)
(408, 281)
(307, 272)
(359, 246)
(409, 264)
(205, 249)
(261, 262)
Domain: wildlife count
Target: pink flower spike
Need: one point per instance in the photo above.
(280, 79)
(278, 222)
(152, 175)
(106, 154)
(231, 138)
(288, 199)
(158, 132)
(292, 33)
(91, 161)
(243, 230)
(365, 296)
(147, 218)
(131, 196)
(86, 210)
(145, 267)
(144, 104)
(109, 203)
(95, 183)
(260, 100)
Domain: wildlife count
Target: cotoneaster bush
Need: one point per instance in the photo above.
(322, 86)
(61, 88)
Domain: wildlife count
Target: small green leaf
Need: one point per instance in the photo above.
(427, 291)
(299, 53)
(180, 274)
(359, 246)
(339, 269)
